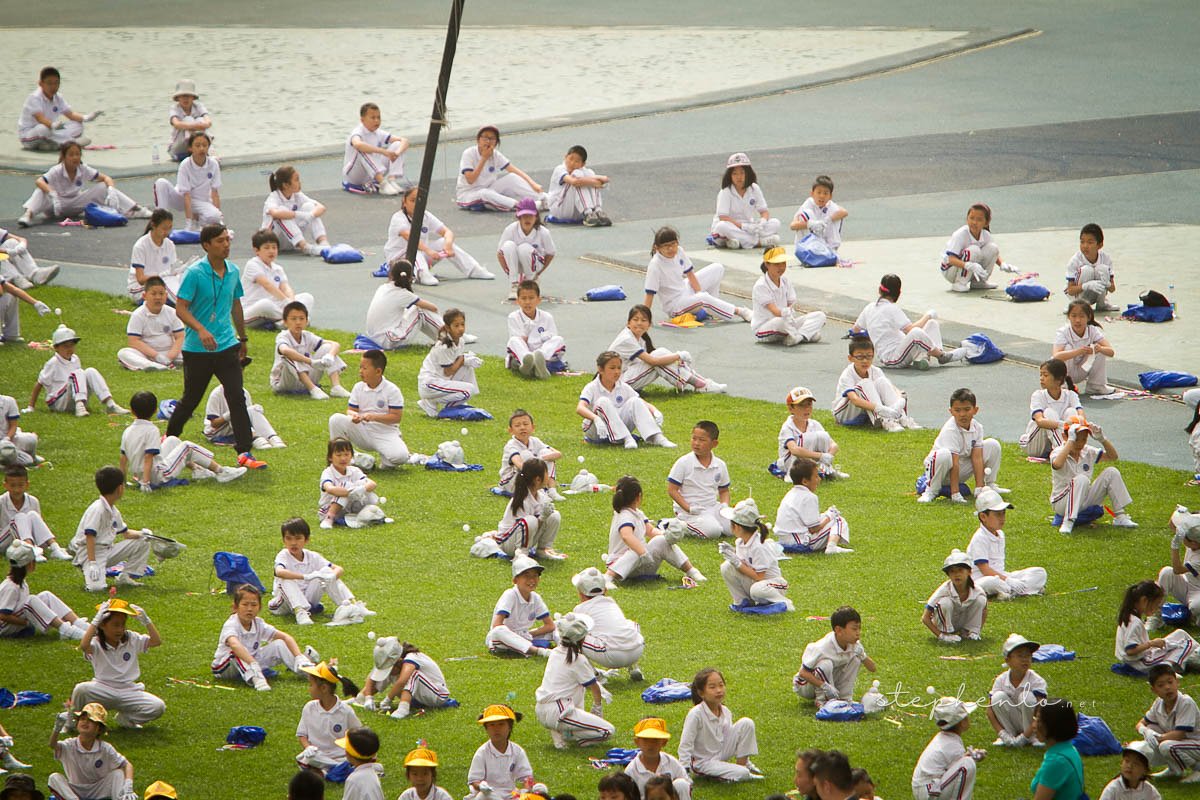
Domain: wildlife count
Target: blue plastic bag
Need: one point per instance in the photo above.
(184, 236)
(611, 291)
(1086, 515)
(667, 691)
(234, 569)
(166, 408)
(981, 349)
(1095, 738)
(1053, 652)
(361, 342)
(813, 251)
(464, 412)
(1148, 313)
(246, 735)
(436, 463)
(341, 254)
(99, 216)
(1128, 670)
(620, 756)
(339, 772)
(1027, 291)
(381, 272)
(1175, 614)
(496, 490)
(923, 481)
(774, 469)
(749, 607)
(553, 220)
(840, 711)
(1164, 379)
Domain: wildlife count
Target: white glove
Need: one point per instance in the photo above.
(142, 616)
(326, 574)
(973, 267)
(161, 358)
(146, 486)
(473, 361)
(957, 498)
(6, 741)
(1072, 434)
(826, 459)
(833, 513)
(729, 554)
(684, 357)
(860, 652)
(1151, 737)
(976, 753)
(27, 410)
(818, 226)
(1097, 432)
(91, 115)
(100, 612)
(41, 308)
(307, 753)
(598, 709)
(932, 313)
(1177, 540)
(547, 508)
(886, 412)
(127, 792)
(645, 561)
(831, 692)
(357, 495)
(327, 361)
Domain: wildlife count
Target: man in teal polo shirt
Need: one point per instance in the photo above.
(215, 342)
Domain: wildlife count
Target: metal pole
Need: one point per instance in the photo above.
(435, 127)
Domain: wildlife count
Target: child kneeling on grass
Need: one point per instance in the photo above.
(956, 609)
(829, 666)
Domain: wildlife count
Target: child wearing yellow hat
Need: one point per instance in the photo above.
(650, 736)
(94, 769)
(420, 768)
(324, 720)
(499, 764)
(113, 652)
(361, 746)
(774, 315)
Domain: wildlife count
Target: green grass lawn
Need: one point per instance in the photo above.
(418, 575)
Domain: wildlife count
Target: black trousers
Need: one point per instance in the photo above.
(198, 371)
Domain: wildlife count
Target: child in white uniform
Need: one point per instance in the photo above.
(970, 255)
(395, 313)
(521, 614)
(39, 126)
(898, 342)
(21, 516)
(154, 255)
(20, 268)
(522, 446)
(113, 652)
(1131, 783)
(960, 452)
(1135, 648)
(1180, 578)
(751, 569)
(946, 767)
(533, 338)
(742, 219)
(374, 159)
(526, 247)
(93, 769)
(775, 318)
(1170, 728)
(801, 436)
(303, 359)
(265, 286)
(21, 610)
(612, 410)
(613, 641)
(294, 216)
(1072, 465)
(576, 191)
(345, 489)
(698, 484)
(819, 215)
(650, 736)
(530, 522)
(10, 312)
(154, 334)
(829, 666)
(1081, 344)
(60, 190)
(865, 396)
(187, 116)
(248, 645)
(560, 697)
(635, 547)
(642, 363)
(799, 524)
(154, 460)
(682, 288)
(436, 244)
(303, 577)
(486, 178)
(325, 719)
(373, 413)
(1090, 275)
(499, 762)
(197, 186)
(362, 748)
(95, 546)
(17, 447)
(420, 769)
(956, 609)
(1049, 406)
(219, 430)
(447, 376)
(711, 738)
(68, 385)
(1016, 694)
(986, 551)
(416, 680)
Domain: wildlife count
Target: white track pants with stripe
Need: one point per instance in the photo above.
(203, 211)
(614, 425)
(837, 531)
(530, 533)
(270, 309)
(521, 262)
(1021, 582)
(574, 723)
(392, 450)
(983, 256)
(1180, 648)
(1013, 717)
(294, 594)
(743, 587)
(793, 329)
(137, 706)
(137, 361)
(462, 260)
(1180, 756)
(426, 693)
(175, 454)
(28, 527)
(273, 654)
(1094, 379)
(80, 384)
(1081, 493)
(677, 374)
(413, 319)
(40, 610)
(915, 345)
(293, 231)
(607, 656)
(575, 202)
(1042, 441)
(742, 743)
(501, 195)
(937, 467)
(956, 783)
(710, 278)
(747, 239)
(842, 678)
(26, 443)
(110, 786)
(1181, 589)
(880, 393)
(454, 390)
(259, 425)
(705, 524)
(951, 616)
(33, 136)
(134, 552)
(288, 379)
(41, 203)
(366, 166)
(503, 639)
(658, 550)
(518, 348)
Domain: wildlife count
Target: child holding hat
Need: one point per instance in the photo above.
(801, 436)
(614, 641)
(187, 116)
(518, 610)
(420, 768)
(751, 569)
(1016, 694)
(946, 767)
(113, 652)
(160, 790)
(986, 552)
(361, 746)
(567, 677)
(324, 720)
(957, 608)
(651, 736)
(774, 317)
(1131, 783)
(500, 763)
(94, 769)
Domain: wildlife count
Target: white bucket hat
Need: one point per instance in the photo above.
(187, 87)
(21, 553)
(572, 627)
(63, 334)
(387, 652)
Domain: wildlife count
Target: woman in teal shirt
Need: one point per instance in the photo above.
(1061, 775)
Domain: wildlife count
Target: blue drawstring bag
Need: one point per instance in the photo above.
(1164, 379)
(619, 756)
(840, 711)
(381, 272)
(1095, 738)
(339, 772)
(22, 698)
(464, 412)
(117, 569)
(1027, 291)
(166, 408)
(1086, 515)
(612, 291)
(99, 216)
(445, 466)
(1176, 614)
(774, 469)
(361, 342)
(478, 205)
(560, 221)
(981, 349)
(667, 691)
(1053, 652)
(184, 236)
(797, 549)
(246, 735)
(234, 569)
(750, 607)
(1128, 670)
(341, 254)
(355, 188)
(923, 481)
(1148, 313)
(813, 251)
(496, 490)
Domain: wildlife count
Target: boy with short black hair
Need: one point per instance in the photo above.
(21, 517)
(1090, 275)
(265, 286)
(154, 334)
(829, 666)
(832, 776)
(523, 445)
(575, 191)
(362, 747)
(533, 340)
(302, 358)
(303, 577)
(155, 461)
(698, 484)
(865, 396)
(374, 159)
(373, 413)
(39, 127)
(1016, 694)
(518, 609)
(819, 215)
(960, 451)
(95, 543)
(1170, 728)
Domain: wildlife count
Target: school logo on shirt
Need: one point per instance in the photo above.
(210, 178)
(165, 259)
(294, 206)
(99, 763)
(491, 169)
(1087, 467)
(752, 200)
(337, 728)
(380, 403)
(424, 229)
(620, 399)
(79, 181)
(126, 656)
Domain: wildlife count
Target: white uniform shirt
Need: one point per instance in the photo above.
(218, 407)
(668, 765)
(12, 596)
(535, 331)
(620, 394)
(383, 399)
(1184, 717)
(277, 202)
(960, 240)
(1079, 261)
(986, 547)
(1117, 790)
(260, 633)
(884, 321)
(1062, 408)
(563, 681)
(703, 734)
(352, 478)
(699, 485)
(625, 518)
(64, 186)
(37, 103)
(766, 292)
(798, 512)
(157, 330)
(531, 507)
(118, 666)
(376, 138)
(501, 771)
(513, 447)
(849, 380)
(1027, 694)
(962, 441)
(87, 767)
(628, 346)
(946, 590)
(558, 185)
(10, 410)
(1066, 338)
(197, 113)
(790, 432)
(1060, 478)
(430, 670)
(1130, 635)
(142, 437)
(397, 245)
(668, 279)
(387, 307)
(521, 614)
(31, 505)
(57, 370)
(827, 649)
(363, 783)
(435, 793)
(746, 207)
(199, 181)
(611, 624)
(440, 356)
(307, 346)
(311, 561)
(494, 169)
(323, 728)
(154, 259)
(943, 750)
(811, 212)
(538, 238)
(101, 520)
(252, 290)
(760, 557)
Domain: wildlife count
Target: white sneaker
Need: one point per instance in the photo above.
(834, 549)
(712, 387)
(1067, 526)
(426, 278)
(482, 274)
(125, 579)
(57, 553)
(837, 473)
(402, 711)
(277, 443)
(429, 407)
(1123, 520)
(469, 338)
(303, 617)
(745, 313)
(927, 497)
(338, 391)
(609, 584)
(362, 607)
(260, 443)
(555, 494)
(960, 287)
(389, 187)
(43, 275)
(260, 683)
(312, 655)
(631, 443)
(81, 409)
(973, 636)
(659, 440)
(999, 489)
(69, 632)
(891, 425)
(949, 638)
(26, 219)
(202, 474)
(560, 742)
(697, 575)
(112, 407)
(327, 523)
(635, 674)
(512, 293)
(139, 212)
(228, 474)
(908, 423)
(540, 370)
(317, 393)
(769, 241)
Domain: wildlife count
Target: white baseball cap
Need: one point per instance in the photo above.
(572, 627)
(988, 499)
(949, 711)
(798, 395)
(63, 334)
(387, 652)
(744, 513)
(957, 558)
(1016, 640)
(738, 160)
(20, 553)
(522, 563)
(589, 583)
(1189, 523)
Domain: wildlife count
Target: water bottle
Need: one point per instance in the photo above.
(1171, 289)
(155, 158)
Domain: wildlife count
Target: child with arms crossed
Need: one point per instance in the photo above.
(575, 191)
